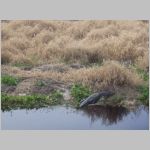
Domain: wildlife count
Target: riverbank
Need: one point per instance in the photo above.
(33, 89)
(48, 63)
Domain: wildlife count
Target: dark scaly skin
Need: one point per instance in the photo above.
(92, 99)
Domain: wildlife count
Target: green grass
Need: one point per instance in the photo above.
(79, 92)
(30, 101)
(144, 94)
(143, 89)
(9, 80)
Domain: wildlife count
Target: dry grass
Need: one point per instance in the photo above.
(109, 75)
(115, 45)
(41, 42)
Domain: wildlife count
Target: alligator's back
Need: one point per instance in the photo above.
(92, 99)
(89, 100)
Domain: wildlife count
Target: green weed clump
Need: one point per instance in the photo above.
(30, 101)
(9, 80)
(79, 92)
(144, 94)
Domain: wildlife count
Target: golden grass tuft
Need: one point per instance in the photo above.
(111, 74)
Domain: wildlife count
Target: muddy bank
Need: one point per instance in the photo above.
(36, 93)
(24, 87)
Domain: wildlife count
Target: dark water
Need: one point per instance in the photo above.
(67, 118)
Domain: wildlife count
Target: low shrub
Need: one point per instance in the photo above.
(79, 92)
(144, 94)
(9, 80)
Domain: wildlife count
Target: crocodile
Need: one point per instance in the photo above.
(92, 99)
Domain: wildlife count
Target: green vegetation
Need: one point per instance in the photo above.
(99, 54)
(144, 94)
(30, 101)
(79, 92)
(9, 80)
(143, 89)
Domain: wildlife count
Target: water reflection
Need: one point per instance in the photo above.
(109, 115)
(91, 117)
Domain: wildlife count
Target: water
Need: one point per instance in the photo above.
(67, 118)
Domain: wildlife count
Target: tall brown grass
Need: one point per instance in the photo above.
(40, 42)
(110, 75)
(113, 45)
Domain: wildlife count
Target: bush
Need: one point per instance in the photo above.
(144, 94)
(80, 92)
(9, 80)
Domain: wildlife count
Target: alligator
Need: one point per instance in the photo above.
(92, 99)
